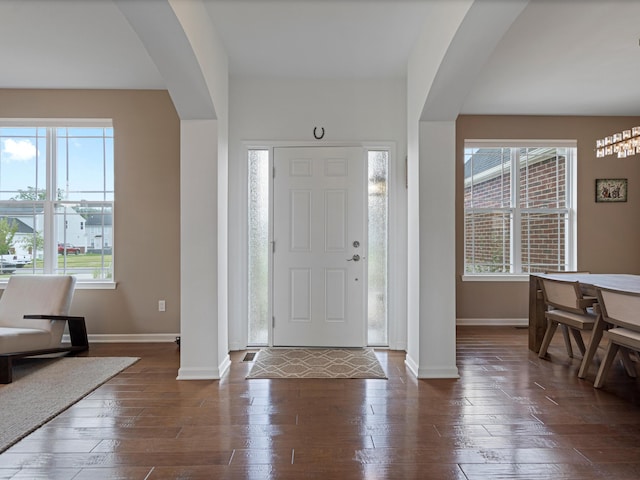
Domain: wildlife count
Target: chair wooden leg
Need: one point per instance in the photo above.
(627, 363)
(594, 341)
(578, 337)
(548, 335)
(612, 349)
(567, 340)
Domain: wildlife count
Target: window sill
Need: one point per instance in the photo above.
(96, 285)
(520, 277)
(81, 285)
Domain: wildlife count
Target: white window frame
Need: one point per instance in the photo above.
(50, 202)
(515, 245)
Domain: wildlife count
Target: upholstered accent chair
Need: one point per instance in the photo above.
(33, 312)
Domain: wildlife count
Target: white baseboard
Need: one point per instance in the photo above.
(224, 365)
(430, 372)
(411, 365)
(493, 322)
(171, 337)
(200, 373)
(398, 346)
(129, 338)
(438, 372)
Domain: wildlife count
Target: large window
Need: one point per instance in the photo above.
(56, 198)
(519, 213)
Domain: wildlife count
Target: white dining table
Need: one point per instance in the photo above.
(589, 283)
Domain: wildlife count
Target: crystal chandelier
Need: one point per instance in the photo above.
(622, 144)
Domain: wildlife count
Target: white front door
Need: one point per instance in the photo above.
(319, 264)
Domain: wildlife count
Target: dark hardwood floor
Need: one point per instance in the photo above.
(510, 415)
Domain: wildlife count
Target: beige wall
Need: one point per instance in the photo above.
(147, 204)
(147, 209)
(608, 233)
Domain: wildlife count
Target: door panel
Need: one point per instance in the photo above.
(300, 221)
(319, 212)
(300, 294)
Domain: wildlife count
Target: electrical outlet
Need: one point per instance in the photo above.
(161, 306)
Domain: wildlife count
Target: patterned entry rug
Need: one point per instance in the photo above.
(316, 363)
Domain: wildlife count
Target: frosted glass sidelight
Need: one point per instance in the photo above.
(258, 261)
(378, 206)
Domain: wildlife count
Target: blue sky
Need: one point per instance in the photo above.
(23, 160)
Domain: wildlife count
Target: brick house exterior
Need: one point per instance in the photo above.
(489, 212)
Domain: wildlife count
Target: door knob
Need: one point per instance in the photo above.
(355, 258)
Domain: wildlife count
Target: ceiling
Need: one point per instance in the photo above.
(319, 39)
(559, 57)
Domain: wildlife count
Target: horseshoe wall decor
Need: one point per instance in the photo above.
(316, 136)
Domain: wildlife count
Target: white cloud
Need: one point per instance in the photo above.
(18, 150)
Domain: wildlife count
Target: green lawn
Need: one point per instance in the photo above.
(88, 260)
(71, 263)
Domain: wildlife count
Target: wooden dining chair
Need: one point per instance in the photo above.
(565, 328)
(621, 310)
(568, 307)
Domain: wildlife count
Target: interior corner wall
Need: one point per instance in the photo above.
(204, 183)
(413, 245)
(147, 204)
(202, 353)
(223, 259)
(608, 234)
(273, 110)
(437, 331)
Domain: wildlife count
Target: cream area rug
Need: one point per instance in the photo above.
(44, 387)
(316, 363)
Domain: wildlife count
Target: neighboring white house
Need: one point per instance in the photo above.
(70, 228)
(86, 231)
(99, 232)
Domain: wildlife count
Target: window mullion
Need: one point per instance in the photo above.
(473, 219)
(570, 205)
(50, 257)
(516, 228)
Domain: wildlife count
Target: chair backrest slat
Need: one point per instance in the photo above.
(563, 294)
(620, 308)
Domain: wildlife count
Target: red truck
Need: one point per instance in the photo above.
(67, 248)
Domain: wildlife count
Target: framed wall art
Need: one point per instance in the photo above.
(611, 190)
